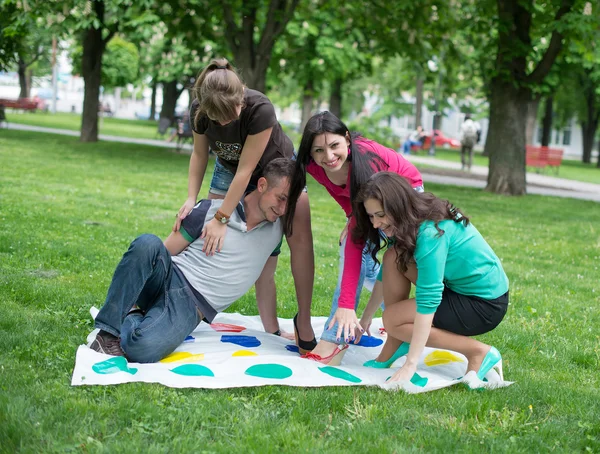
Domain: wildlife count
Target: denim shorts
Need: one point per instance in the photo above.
(222, 178)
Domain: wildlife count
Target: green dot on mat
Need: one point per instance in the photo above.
(113, 365)
(338, 373)
(416, 380)
(269, 371)
(193, 370)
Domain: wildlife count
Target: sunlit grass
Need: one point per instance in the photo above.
(69, 210)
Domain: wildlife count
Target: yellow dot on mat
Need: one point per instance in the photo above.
(244, 353)
(182, 356)
(439, 357)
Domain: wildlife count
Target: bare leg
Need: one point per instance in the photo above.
(398, 317)
(396, 287)
(266, 296)
(303, 265)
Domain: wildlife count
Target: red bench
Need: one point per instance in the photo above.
(542, 157)
(23, 103)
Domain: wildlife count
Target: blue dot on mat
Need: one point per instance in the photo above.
(190, 339)
(292, 348)
(369, 341)
(243, 341)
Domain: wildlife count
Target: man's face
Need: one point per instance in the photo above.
(273, 200)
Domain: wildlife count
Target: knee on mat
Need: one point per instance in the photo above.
(142, 349)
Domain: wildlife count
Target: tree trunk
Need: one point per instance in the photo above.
(22, 70)
(335, 100)
(547, 122)
(93, 48)
(153, 101)
(307, 104)
(419, 101)
(253, 70)
(532, 109)
(506, 138)
(170, 97)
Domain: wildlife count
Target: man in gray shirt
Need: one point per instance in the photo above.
(161, 291)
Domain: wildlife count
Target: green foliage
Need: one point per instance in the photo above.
(63, 236)
(120, 63)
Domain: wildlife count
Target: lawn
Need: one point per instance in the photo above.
(569, 169)
(139, 129)
(69, 210)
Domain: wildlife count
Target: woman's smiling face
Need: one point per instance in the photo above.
(378, 217)
(330, 151)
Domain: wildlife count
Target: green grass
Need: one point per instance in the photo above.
(569, 169)
(69, 210)
(139, 129)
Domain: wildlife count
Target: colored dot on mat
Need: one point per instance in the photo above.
(439, 357)
(190, 339)
(416, 380)
(113, 365)
(182, 356)
(269, 371)
(339, 373)
(244, 353)
(242, 341)
(224, 327)
(292, 348)
(193, 370)
(369, 341)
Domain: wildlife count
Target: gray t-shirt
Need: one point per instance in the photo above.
(223, 278)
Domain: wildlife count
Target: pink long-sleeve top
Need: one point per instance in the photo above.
(341, 194)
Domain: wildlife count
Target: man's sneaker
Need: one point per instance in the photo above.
(108, 344)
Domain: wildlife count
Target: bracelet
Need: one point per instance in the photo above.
(277, 333)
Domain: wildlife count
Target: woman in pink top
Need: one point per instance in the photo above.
(342, 162)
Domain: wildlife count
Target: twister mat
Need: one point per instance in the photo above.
(235, 352)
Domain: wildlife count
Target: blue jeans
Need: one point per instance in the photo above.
(408, 144)
(368, 274)
(145, 277)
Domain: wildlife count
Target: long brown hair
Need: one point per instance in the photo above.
(364, 162)
(406, 209)
(219, 91)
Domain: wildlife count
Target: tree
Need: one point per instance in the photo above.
(515, 75)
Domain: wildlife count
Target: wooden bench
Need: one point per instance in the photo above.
(32, 104)
(542, 157)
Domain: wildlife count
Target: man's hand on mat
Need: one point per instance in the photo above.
(405, 373)
(288, 336)
(183, 212)
(214, 236)
(347, 323)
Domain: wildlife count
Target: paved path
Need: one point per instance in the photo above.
(108, 138)
(536, 183)
(477, 178)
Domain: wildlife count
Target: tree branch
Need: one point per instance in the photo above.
(231, 28)
(279, 14)
(554, 48)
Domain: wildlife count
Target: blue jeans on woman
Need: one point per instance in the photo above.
(145, 277)
(368, 275)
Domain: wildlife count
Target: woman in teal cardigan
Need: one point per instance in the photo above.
(461, 287)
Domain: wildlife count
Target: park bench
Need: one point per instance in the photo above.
(32, 104)
(543, 157)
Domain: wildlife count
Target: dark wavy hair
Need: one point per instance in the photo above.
(406, 208)
(364, 162)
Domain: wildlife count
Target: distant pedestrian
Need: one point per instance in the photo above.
(415, 138)
(469, 136)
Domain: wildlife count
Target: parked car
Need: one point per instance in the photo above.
(440, 141)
